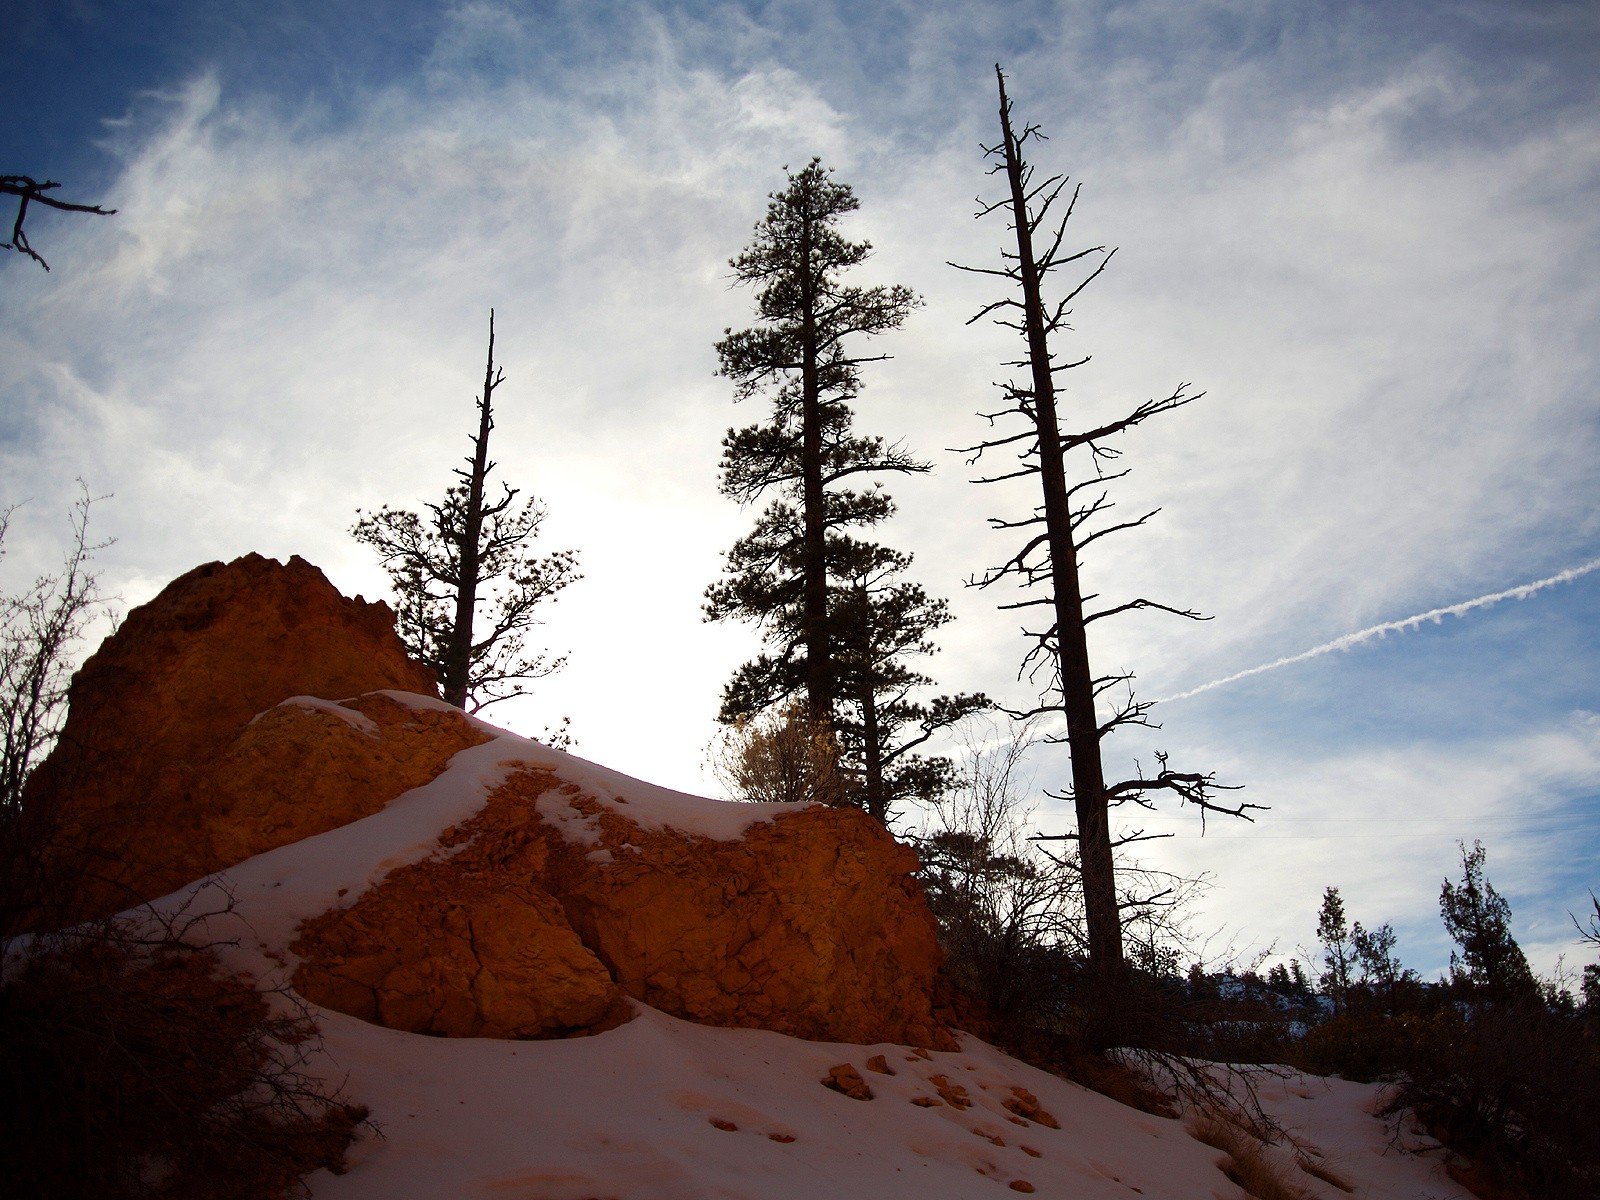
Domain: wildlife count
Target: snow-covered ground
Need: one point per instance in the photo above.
(660, 1108)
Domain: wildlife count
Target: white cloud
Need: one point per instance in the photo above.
(1381, 822)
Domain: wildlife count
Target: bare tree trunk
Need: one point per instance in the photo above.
(1072, 652)
(458, 653)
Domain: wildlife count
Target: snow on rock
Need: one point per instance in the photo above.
(801, 919)
(422, 870)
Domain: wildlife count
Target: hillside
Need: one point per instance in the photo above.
(548, 980)
(661, 1107)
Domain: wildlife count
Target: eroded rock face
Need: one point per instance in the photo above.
(307, 766)
(166, 696)
(466, 946)
(205, 732)
(809, 924)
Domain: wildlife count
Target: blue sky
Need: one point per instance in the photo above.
(1368, 232)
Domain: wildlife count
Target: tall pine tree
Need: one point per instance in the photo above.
(835, 618)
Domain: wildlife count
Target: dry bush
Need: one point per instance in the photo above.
(1320, 1170)
(1249, 1162)
(782, 757)
(134, 1067)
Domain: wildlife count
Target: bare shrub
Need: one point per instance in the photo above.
(1010, 915)
(134, 1067)
(782, 757)
(1248, 1161)
(1011, 923)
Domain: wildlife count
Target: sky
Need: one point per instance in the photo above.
(1367, 232)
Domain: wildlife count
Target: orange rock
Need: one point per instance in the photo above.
(810, 925)
(952, 1094)
(880, 1064)
(926, 1101)
(474, 950)
(1024, 1103)
(781, 1137)
(750, 932)
(845, 1078)
(298, 770)
(1020, 1185)
(170, 690)
(725, 1126)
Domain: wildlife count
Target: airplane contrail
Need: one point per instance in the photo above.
(1521, 592)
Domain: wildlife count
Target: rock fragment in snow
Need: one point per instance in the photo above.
(845, 1078)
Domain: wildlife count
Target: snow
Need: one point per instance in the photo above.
(349, 715)
(646, 804)
(630, 1114)
(662, 1109)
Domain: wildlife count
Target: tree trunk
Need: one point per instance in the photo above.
(1077, 681)
(819, 663)
(877, 804)
(458, 653)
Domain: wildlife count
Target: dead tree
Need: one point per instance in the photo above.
(32, 191)
(471, 552)
(1069, 518)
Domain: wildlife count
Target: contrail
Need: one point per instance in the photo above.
(1435, 615)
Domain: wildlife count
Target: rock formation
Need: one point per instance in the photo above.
(165, 695)
(205, 732)
(809, 924)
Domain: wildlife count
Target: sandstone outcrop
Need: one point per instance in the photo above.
(169, 692)
(809, 924)
(470, 946)
(210, 728)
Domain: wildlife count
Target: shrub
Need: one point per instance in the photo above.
(784, 757)
(1512, 1086)
(134, 1067)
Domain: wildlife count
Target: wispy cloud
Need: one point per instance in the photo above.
(1374, 632)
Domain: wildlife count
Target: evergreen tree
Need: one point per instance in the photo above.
(883, 621)
(1490, 963)
(1334, 933)
(835, 617)
(1382, 976)
(466, 579)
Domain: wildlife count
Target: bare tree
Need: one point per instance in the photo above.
(28, 191)
(471, 552)
(42, 627)
(1068, 520)
(1590, 935)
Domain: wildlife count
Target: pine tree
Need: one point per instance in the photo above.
(466, 579)
(1490, 964)
(884, 621)
(836, 618)
(1333, 932)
